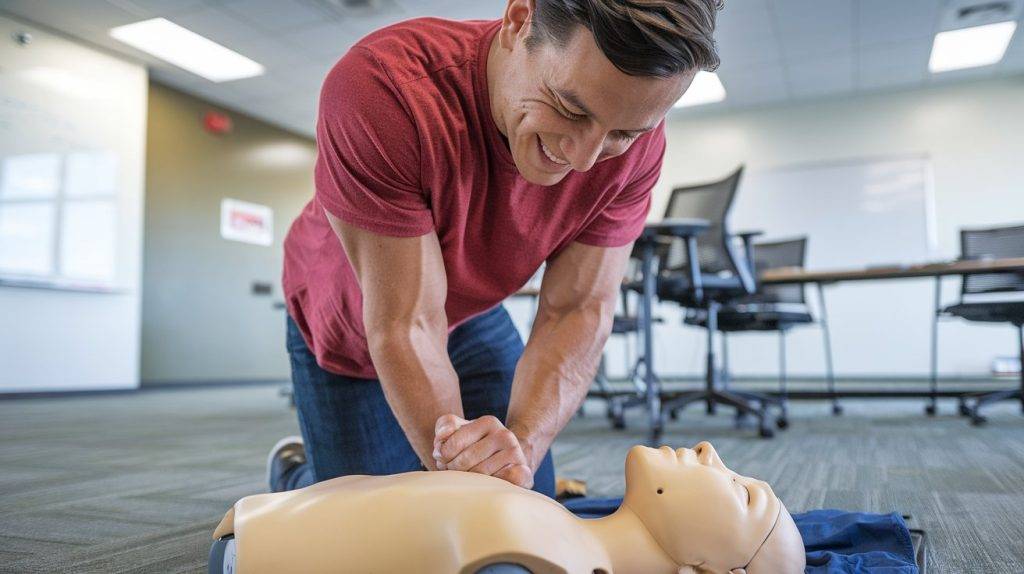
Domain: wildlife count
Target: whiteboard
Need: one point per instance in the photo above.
(63, 162)
(857, 213)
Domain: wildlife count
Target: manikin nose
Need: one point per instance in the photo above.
(707, 454)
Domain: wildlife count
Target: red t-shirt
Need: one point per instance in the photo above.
(407, 146)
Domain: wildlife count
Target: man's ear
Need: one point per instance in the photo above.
(518, 15)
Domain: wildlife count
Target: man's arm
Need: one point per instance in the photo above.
(574, 318)
(404, 286)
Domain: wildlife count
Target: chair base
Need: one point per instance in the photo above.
(974, 411)
(745, 403)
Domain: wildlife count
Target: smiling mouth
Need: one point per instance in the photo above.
(551, 156)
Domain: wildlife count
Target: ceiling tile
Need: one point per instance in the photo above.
(893, 64)
(891, 77)
(1013, 61)
(72, 16)
(269, 50)
(215, 23)
(275, 15)
(747, 36)
(453, 9)
(754, 84)
(980, 73)
(327, 40)
(885, 21)
(812, 77)
(808, 28)
(158, 8)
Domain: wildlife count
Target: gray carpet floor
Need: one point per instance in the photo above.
(136, 482)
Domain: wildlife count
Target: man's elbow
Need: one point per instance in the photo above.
(397, 331)
(596, 312)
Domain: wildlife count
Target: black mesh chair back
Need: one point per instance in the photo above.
(992, 243)
(778, 255)
(717, 251)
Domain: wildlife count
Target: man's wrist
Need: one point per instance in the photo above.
(534, 445)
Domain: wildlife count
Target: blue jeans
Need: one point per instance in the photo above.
(349, 428)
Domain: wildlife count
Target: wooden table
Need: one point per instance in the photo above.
(966, 267)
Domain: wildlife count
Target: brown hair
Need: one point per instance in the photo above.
(640, 37)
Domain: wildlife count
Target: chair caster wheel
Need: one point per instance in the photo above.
(964, 410)
(978, 420)
(837, 410)
(673, 414)
(929, 410)
(618, 422)
(765, 432)
(782, 423)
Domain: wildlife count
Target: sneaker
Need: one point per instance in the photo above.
(288, 453)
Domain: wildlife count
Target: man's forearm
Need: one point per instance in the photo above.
(418, 379)
(555, 372)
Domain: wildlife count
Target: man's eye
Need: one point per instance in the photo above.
(572, 116)
(625, 137)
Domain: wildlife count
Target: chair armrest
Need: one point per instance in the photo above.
(675, 227)
(751, 282)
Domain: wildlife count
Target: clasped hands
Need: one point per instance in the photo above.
(482, 445)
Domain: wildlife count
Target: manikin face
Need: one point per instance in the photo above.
(565, 109)
(702, 514)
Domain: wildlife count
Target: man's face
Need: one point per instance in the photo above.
(568, 108)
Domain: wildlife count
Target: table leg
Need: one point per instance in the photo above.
(652, 390)
(933, 382)
(827, 337)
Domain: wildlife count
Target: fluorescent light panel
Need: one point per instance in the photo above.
(186, 49)
(970, 47)
(705, 89)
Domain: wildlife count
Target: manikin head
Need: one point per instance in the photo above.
(586, 78)
(706, 517)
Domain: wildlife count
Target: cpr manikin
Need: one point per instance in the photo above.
(683, 512)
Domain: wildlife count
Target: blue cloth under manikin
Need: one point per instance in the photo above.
(837, 541)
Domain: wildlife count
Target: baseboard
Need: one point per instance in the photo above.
(150, 386)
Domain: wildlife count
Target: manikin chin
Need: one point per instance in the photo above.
(684, 512)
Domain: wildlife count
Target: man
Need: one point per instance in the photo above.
(454, 159)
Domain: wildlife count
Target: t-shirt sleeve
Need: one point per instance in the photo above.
(622, 220)
(368, 154)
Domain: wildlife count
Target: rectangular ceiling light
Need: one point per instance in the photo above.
(186, 49)
(970, 47)
(705, 89)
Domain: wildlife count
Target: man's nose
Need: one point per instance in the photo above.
(583, 149)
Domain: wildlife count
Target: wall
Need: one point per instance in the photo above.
(200, 320)
(58, 97)
(974, 135)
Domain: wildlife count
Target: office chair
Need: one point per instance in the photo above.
(976, 304)
(772, 308)
(706, 274)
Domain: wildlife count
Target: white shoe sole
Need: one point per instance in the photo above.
(277, 448)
